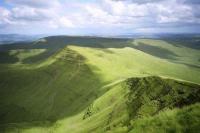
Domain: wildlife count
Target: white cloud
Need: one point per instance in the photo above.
(126, 9)
(34, 3)
(4, 15)
(111, 14)
(28, 13)
(174, 12)
(66, 22)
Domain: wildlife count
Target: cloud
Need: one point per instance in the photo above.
(101, 15)
(191, 1)
(34, 3)
(65, 22)
(159, 1)
(29, 14)
(140, 1)
(175, 13)
(4, 15)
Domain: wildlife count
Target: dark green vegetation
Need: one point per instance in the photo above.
(52, 91)
(156, 51)
(150, 95)
(85, 84)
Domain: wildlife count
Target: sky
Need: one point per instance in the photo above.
(99, 17)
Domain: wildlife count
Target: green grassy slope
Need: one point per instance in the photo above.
(46, 93)
(19, 55)
(174, 53)
(184, 120)
(83, 87)
(122, 106)
(127, 62)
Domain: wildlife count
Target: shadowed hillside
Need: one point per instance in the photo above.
(52, 92)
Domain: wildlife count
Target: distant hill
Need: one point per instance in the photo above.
(13, 38)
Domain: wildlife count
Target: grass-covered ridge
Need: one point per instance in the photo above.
(83, 84)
